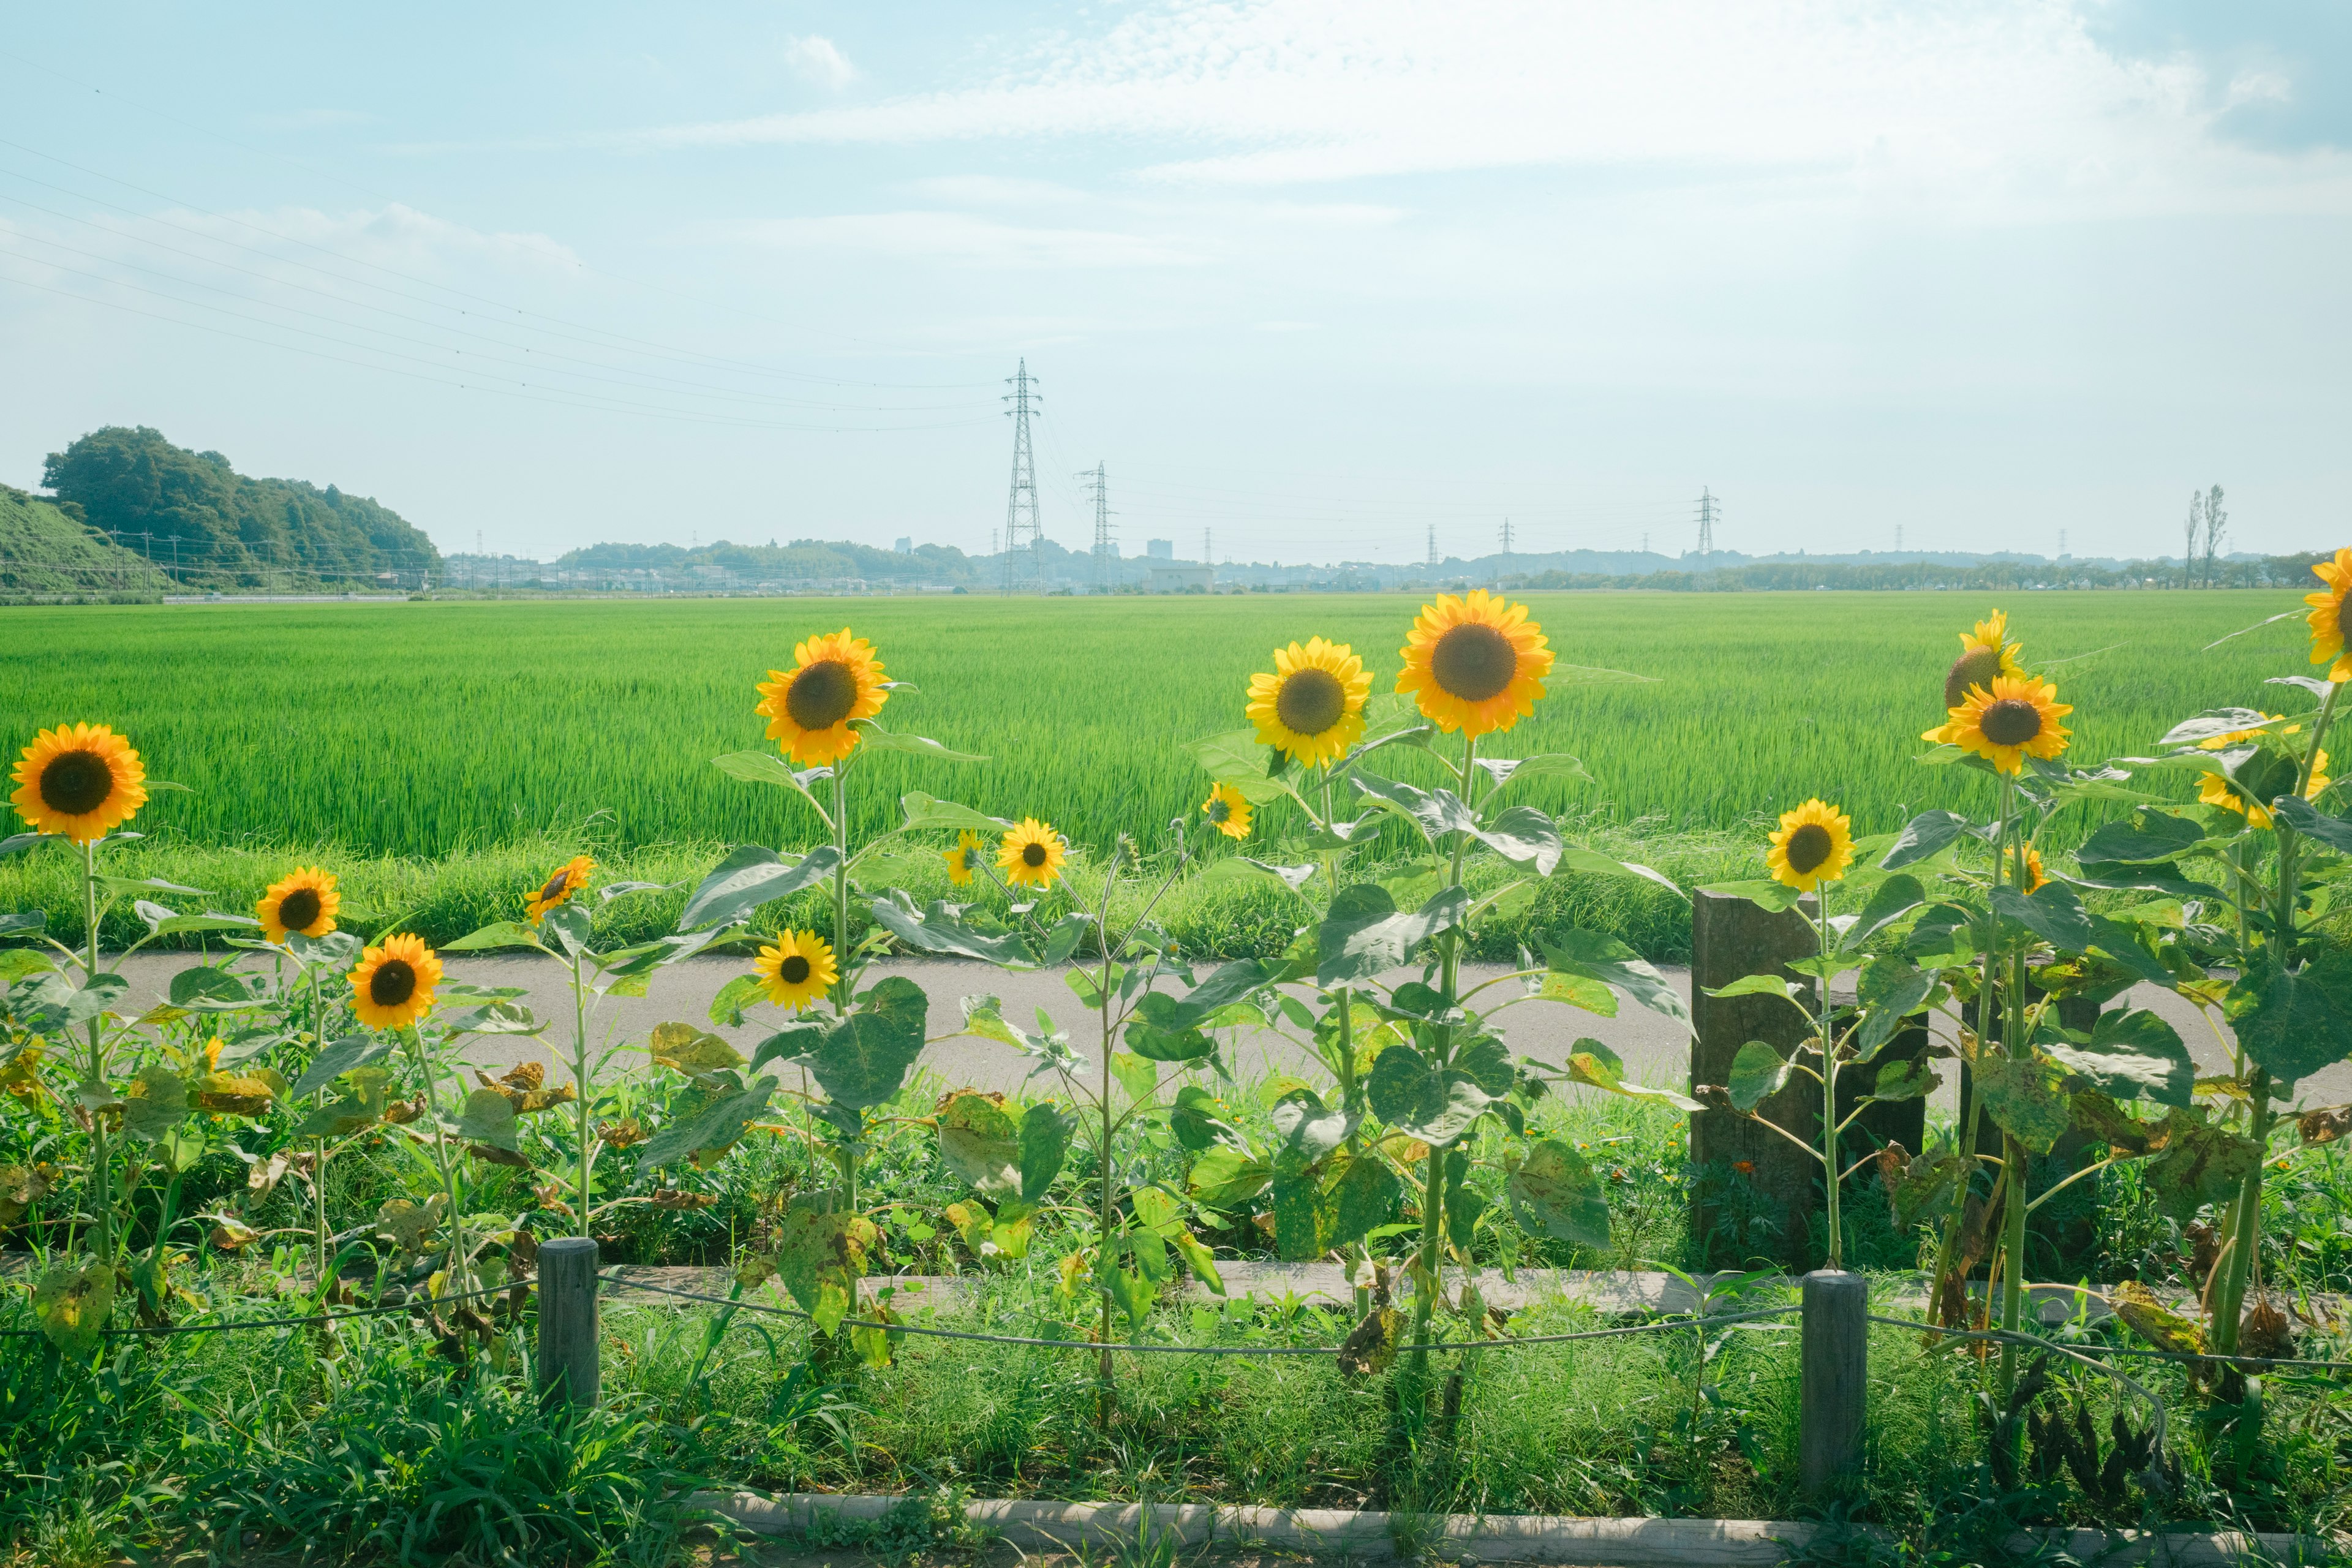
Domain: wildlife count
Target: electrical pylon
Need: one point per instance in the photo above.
(1105, 557)
(1021, 505)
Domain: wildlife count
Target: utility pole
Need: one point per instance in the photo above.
(1898, 539)
(1106, 557)
(1707, 508)
(1021, 505)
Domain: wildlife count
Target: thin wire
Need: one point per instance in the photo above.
(2004, 1336)
(2153, 1355)
(169, 1330)
(1687, 1322)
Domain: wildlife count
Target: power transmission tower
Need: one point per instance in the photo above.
(1205, 556)
(1433, 547)
(2062, 543)
(1106, 555)
(1707, 508)
(1898, 538)
(1021, 505)
(1506, 536)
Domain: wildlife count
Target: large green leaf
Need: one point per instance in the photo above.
(2336, 832)
(1236, 758)
(864, 1060)
(1593, 1063)
(2294, 1023)
(1555, 1194)
(1365, 1196)
(2026, 1098)
(156, 1101)
(926, 813)
(980, 1141)
(1046, 1131)
(1434, 1104)
(1161, 1031)
(1226, 1175)
(339, 1057)
(2200, 1163)
(941, 928)
(1890, 989)
(2131, 1055)
(2147, 838)
(497, 934)
(1928, 834)
(877, 739)
(1200, 1120)
(357, 1107)
(752, 875)
(1306, 1129)
(1596, 956)
(488, 1118)
(1509, 771)
(1757, 1073)
(1889, 901)
(1762, 891)
(2051, 912)
(1364, 934)
(709, 1124)
(820, 1255)
(72, 1303)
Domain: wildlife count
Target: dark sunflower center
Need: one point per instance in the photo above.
(821, 696)
(554, 889)
(1809, 846)
(2011, 721)
(1033, 855)
(299, 909)
(1310, 701)
(392, 983)
(795, 970)
(1474, 662)
(75, 783)
(1975, 668)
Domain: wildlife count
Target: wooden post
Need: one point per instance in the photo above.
(568, 1371)
(1731, 937)
(1835, 1378)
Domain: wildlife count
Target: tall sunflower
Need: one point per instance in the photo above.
(83, 782)
(2220, 789)
(1814, 845)
(1228, 810)
(1032, 854)
(568, 879)
(2017, 718)
(1986, 655)
(305, 902)
(2328, 613)
(834, 681)
(965, 857)
(1312, 706)
(1476, 664)
(392, 986)
(797, 970)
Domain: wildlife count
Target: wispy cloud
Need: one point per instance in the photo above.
(820, 60)
(965, 239)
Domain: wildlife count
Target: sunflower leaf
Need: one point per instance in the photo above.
(1554, 1193)
(1929, 833)
(339, 1057)
(766, 767)
(864, 1059)
(2215, 722)
(928, 813)
(1234, 757)
(942, 929)
(1596, 956)
(2299, 813)
(1364, 932)
(882, 739)
(497, 934)
(751, 876)
(1592, 862)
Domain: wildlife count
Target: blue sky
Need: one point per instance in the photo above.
(1315, 276)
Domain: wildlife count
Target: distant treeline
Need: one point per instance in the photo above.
(2263, 571)
(801, 560)
(194, 515)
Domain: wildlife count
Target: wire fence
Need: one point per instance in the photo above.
(408, 1304)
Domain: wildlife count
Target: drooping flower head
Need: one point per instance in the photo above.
(392, 986)
(567, 880)
(1312, 706)
(2328, 610)
(2016, 718)
(965, 857)
(82, 781)
(1986, 656)
(1228, 809)
(1031, 855)
(1814, 845)
(797, 970)
(306, 902)
(835, 681)
(1474, 664)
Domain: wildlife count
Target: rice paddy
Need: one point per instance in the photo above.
(426, 729)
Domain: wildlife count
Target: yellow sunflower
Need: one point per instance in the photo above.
(1032, 854)
(1814, 845)
(306, 902)
(2239, 737)
(392, 986)
(1226, 808)
(2017, 718)
(2327, 611)
(833, 680)
(1312, 706)
(1985, 657)
(568, 879)
(964, 859)
(83, 782)
(2035, 875)
(2216, 789)
(797, 970)
(1476, 664)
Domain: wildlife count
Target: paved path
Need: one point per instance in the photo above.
(1654, 1048)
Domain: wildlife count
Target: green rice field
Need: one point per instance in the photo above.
(428, 728)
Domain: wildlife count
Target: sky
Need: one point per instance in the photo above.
(1318, 277)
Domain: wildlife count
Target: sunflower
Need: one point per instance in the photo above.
(2239, 737)
(1312, 706)
(1815, 844)
(2035, 875)
(2018, 717)
(1476, 664)
(1985, 657)
(797, 970)
(392, 986)
(2218, 789)
(834, 681)
(2327, 611)
(1227, 810)
(568, 879)
(83, 782)
(306, 902)
(1032, 854)
(964, 859)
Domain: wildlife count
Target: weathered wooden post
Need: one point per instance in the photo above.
(568, 1370)
(1835, 1378)
(1731, 937)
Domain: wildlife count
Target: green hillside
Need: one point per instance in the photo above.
(44, 552)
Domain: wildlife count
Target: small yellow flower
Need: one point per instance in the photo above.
(1474, 664)
(2328, 613)
(2016, 718)
(797, 970)
(1228, 810)
(1312, 706)
(964, 859)
(392, 985)
(82, 781)
(1814, 845)
(835, 681)
(1032, 854)
(1986, 655)
(568, 879)
(306, 902)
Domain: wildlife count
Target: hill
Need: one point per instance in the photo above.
(46, 552)
(194, 514)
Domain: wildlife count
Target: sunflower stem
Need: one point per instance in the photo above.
(580, 1088)
(1432, 1205)
(101, 1156)
(1829, 1154)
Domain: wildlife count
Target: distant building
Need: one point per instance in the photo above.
(1159, 549)
(906, 546)
(1181, 579)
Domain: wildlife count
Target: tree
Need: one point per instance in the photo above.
(2189, 532)
(2217, 527)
